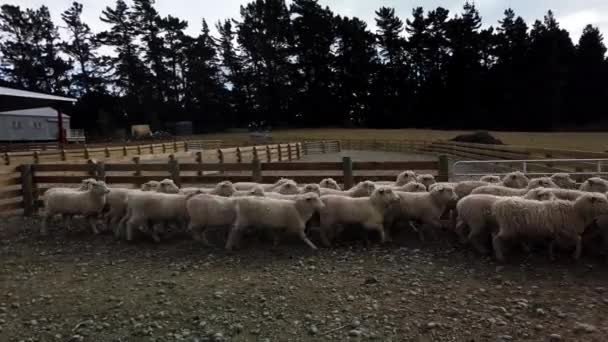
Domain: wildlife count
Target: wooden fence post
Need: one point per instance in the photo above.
(289, 156)
(100, 170)
(579, 178)
(139, 149)
(339, 146)
(174, 170)
(124, 150)
(347, 170)
(151, 148)
(92, 163)
(220, 156)
(137, 167)
(323, 147)
(199, 161)
(254, 152)
(185, 146)
(175, 147)
(268, 154)
(256, 170)
(239, 156)
(280, 152)
(549, 156)
(63, 155)
(36, 158)
(27, 187)
(164, 148)
(107, 152)
(7, 159)
(305, 148)
(444, 166)
(86, 152)
(298, 151)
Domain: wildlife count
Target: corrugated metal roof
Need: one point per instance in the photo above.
(38, 112)
(4, 91)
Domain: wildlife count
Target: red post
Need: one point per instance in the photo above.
(61, 133)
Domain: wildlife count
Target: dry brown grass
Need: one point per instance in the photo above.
(593, 141)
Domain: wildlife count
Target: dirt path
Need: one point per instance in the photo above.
(73, 286)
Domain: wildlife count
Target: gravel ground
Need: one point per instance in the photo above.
(72, 286)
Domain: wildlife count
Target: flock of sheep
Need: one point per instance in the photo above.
(488, 213)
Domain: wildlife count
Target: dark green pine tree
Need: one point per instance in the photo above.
(391, 84)
(550, 60)
(82, 47)
(588, 89)
(265, 39)
(314, 34)
(176, 44)
(204, 92)
(354, 65)
(238, 79)
(129, 74)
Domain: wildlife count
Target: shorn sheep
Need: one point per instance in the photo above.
(281, 216)
(595, 184)
(564, 180)
(210, 211)
(405, 177)
(144, 208)
(463, 188)
(410, 187)
(422, 207)
(89, 203)
(267, 187)
(516, 180)
(497, 190)
(555, 221)
(543, 194)
(426, 179)
(362, 189)
(329, 183)
(490, 179)
(368, 212)
(287, 188)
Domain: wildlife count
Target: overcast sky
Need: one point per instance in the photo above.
(572, 14)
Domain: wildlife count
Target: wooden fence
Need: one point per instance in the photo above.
(84, 152)
(43, 175)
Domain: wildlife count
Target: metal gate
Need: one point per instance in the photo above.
(473, 169)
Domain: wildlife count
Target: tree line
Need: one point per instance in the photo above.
(302, 65)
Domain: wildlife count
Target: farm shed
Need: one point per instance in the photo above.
(33, 124)
(31, 127)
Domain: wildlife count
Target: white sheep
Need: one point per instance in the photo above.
(210, 211)
(225, 189)
(287, 188)
(498, 190)
(475, 212)
(85, 184)
(564, 180)
(329, 183)
(555, 221)
(543, 194)
(463, 188)
(490, 179)
(150, 186)
(89, 203)
(362, 189)
(595, 184)
(405, 177)
(281, 216)
(314, 188)
(257, 191)
(144, 208)
(167, 186)
(426, 179)
(410, 187)
(516, 180)
(267, 187)
(368, 212)
(424, 207)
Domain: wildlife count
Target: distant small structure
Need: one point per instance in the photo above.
(33, 124)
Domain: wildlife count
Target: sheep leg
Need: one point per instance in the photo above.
(132, 224)
(418, 230)
(306, 240)
(324, 238)
(459, 230)
(578, 249)
(379, 228)
(476, 238)
(45, 223)
(93, 222)
(498, 248)
(155, 232)
(232, 237)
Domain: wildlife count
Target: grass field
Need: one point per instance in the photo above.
(592, 141)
